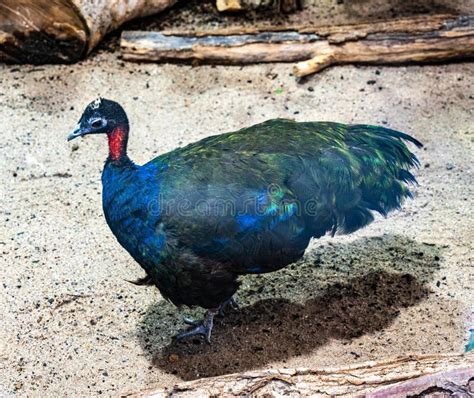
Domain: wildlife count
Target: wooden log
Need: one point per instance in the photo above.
(41, 31)
(334, 33)
(401, 377)
(428, 39)
(57, 31)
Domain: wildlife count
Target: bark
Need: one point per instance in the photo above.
(405, 376)
(421, 39)
(57, 31)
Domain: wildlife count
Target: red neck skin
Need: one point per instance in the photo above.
(118, 144)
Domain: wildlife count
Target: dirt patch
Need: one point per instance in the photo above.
(350, 290)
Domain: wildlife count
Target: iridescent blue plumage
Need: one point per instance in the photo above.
(131, 208)
(244, 202)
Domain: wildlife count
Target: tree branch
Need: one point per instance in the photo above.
(428, 39)
(399, 377)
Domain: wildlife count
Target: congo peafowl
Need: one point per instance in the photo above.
(245, 202)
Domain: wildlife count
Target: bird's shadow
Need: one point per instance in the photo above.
(339, 291)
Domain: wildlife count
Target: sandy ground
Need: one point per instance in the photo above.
(72, 324)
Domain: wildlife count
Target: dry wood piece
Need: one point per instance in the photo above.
(57, 31)
(421, 39)
(401, 377)
(228, 5)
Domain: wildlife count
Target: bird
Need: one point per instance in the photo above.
(245, 202)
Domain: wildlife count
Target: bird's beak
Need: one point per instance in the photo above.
(78, 132)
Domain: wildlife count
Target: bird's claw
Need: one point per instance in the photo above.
(204, 328)
(191, 321)
(200, 328)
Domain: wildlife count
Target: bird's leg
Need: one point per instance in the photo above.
(228, 303)
(232, 303)
(203, 328)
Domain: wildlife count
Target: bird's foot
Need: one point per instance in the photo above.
(230, 303)
(203, 328)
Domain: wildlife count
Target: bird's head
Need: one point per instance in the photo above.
(101, 116)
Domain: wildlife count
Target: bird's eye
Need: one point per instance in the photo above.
(97, 123)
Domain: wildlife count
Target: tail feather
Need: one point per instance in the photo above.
(384, 131)
(381, 164)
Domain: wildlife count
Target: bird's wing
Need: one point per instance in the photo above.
(257, 195)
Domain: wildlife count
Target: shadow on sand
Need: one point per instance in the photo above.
(339, 291)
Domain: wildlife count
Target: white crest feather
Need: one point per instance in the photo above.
(96, 103)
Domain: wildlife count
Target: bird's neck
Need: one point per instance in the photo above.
(118, 139)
